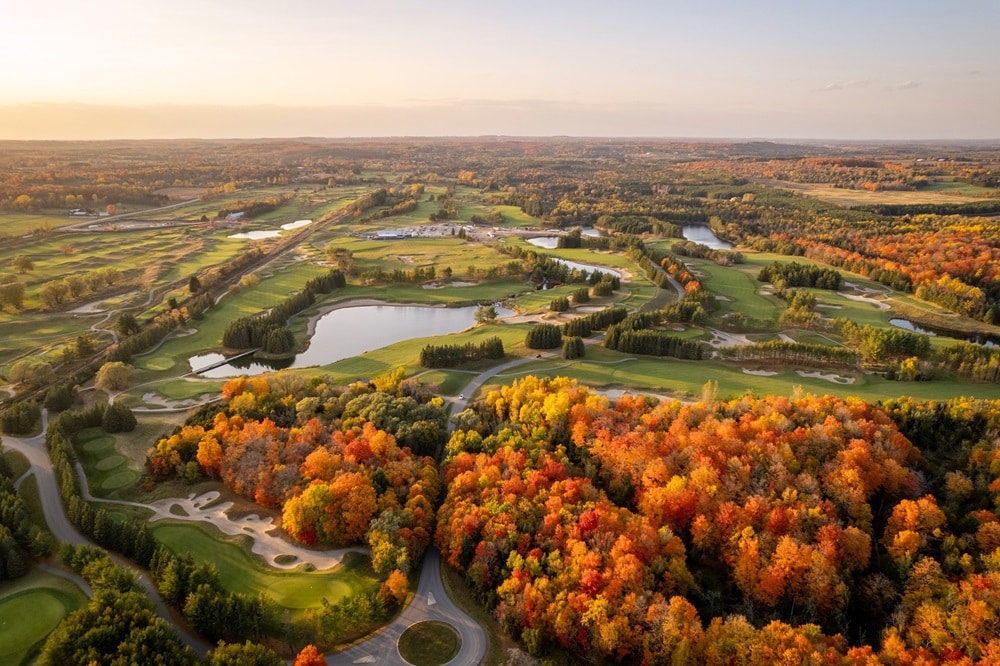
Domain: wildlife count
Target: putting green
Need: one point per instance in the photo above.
(120, 480)
(26, 619)
(156, 363)
(110, 462)
(99, 444)
(304, 591)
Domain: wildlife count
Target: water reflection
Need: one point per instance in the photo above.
(983, 339)
(351, 331)
(702, 234)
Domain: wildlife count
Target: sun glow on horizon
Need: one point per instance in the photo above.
(635, 68)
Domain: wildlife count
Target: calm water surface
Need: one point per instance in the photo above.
(702, 234)
(352, 331)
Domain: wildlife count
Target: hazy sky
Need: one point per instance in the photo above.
(705, 68)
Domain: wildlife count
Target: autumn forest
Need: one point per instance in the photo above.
(644, 401)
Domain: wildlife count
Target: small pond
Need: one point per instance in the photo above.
(552, 242)
(257, 235)
(702, 234)
(545, 242)
(271, 233)
(590, 268)
(351, 331)
(984, 339)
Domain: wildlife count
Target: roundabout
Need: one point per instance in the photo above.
(429, 643)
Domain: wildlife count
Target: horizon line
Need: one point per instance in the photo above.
(570, 137)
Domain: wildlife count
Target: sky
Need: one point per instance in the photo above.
(809, 69)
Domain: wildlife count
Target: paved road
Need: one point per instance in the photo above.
(82, 226)
(34, 449)
(430, 602)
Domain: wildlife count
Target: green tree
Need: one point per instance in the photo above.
(118, 418)
(11, 293)
(485, 314)
(126, 324)
(22, 264)
(53, 293)
(247, 654)
(114, 376)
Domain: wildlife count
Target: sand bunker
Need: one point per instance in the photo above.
(830, 377)
(722, 339)
(277, 552)
(881, 305)
(760, 373)
(166, 403)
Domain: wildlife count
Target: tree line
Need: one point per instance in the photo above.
(794, 274)
(269, 332)
(21, 539)
(449, 356)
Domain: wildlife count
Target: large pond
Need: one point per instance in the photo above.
(984, 339)
(351, 331)
(702, 234)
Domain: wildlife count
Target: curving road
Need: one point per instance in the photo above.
(34, 449)
(430, 602)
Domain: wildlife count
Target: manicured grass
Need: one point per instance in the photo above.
(410, 253)
(604, 368)
(268, 292)
(30, 608)
(446, 382)
(482, 292)
(538, 300)
(39, 335)
(407, 352)
(239, 571)
(516, 218)
(19, 224)
(182, 388)
(108, 472)
(429, 643)
(742, 290)
(938, 193)
(957, 187)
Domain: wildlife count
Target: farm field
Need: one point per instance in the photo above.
(936, 193)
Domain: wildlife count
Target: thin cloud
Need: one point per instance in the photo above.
(905, 85)
(844, 85)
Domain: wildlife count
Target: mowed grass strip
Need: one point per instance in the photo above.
(249, 301)
(407, 352)
(240, 572)
(606, 369)
(19, 224)
(106, 469)
(940, 192)
(740, 291)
